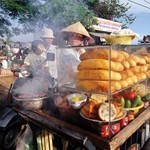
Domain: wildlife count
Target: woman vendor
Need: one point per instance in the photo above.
(69, 57)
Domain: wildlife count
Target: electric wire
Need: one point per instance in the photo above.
(147, 2)
(139, 4)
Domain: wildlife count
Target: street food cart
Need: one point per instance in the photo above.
(118, 71)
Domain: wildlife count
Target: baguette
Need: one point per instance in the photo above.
(123, 83)
(131, 62)
(135, 58)
(126, 64)
(116, 84)
(100, 74)
(147, 59)
(98, 53)
(148, 66)
(120, 58)
(138, 69)
(100, 64)
(142, 61)
(125, 54)
(126, 73)
(134, 78)
(141, 76)
(138, 59)
(129, 80)
(147, 73)
(96, 85)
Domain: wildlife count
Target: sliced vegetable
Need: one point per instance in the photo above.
(146, 98)
(128, 103)
(122, 101)
(136, 101)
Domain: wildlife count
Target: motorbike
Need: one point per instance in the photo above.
(12, 125)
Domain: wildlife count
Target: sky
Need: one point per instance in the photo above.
(141, 25)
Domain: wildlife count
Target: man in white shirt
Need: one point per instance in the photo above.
(48, 38)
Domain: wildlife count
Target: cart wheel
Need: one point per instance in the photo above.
(8, 138)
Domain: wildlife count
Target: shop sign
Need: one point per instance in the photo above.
(107, 25)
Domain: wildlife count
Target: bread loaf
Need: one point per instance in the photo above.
(141, 76)
(120, 58)
(138, 69)
(129, 80)
(142, 61)
(139, 60)
(147, 73)
(100, 74)
(147, 59)
(135, 58)
(123, 83)
(98, 53)
(125, 54)
(148, 66)
(100, 64)
(131, 62)
(117, 85)
(95, 85)
(134, 78)
(126, 73)
(126, 64)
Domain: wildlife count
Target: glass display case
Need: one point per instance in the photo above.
(103, 101)
(113, 77)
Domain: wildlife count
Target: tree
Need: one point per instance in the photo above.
(31, 15)
(17, 11)
(112, 10)
(57, 14)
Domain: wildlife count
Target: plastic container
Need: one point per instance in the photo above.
(135, 109)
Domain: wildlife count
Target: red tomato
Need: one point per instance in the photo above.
(117, 97)
(130, 95)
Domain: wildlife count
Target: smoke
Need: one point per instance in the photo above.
(31, 86)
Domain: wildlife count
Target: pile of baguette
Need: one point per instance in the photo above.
(95, 70)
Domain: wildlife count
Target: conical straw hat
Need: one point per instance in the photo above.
(77, 28)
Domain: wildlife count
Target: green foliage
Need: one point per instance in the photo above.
(113, 10)
(32, 15)
(58, 14)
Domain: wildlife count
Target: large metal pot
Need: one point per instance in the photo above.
(29, 99)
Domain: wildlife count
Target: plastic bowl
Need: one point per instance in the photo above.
(119, 39)
(136, 109)
(76, 100)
